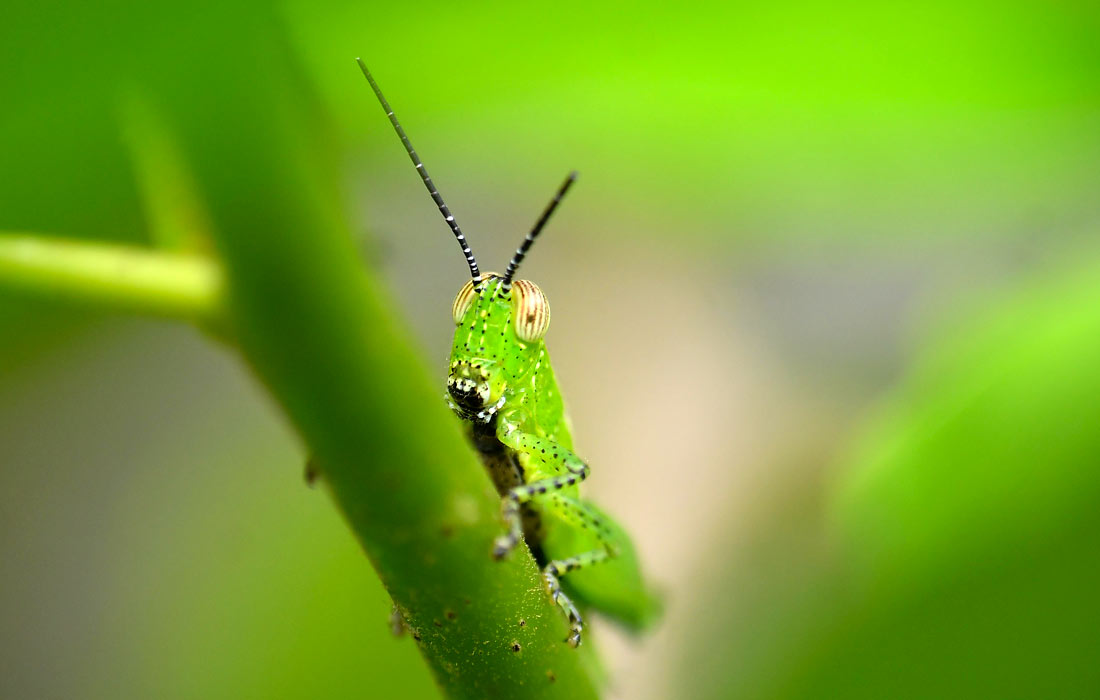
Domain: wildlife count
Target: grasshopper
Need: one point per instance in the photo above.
(501, 385)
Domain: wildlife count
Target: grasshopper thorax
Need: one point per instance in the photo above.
(498, 339)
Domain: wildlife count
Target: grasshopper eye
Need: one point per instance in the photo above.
(531, 311)
(465, 297)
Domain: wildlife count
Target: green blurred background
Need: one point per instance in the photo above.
(826, 310)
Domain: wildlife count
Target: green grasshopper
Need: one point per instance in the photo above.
(503, 388)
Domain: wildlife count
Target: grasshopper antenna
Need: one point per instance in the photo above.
(506, 284)
(424, 176)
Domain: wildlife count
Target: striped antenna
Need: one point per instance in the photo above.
(506, 284)
(424, 176)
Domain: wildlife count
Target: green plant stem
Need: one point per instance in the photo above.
(112, 277)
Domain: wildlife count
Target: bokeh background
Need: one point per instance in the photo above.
(826, 311)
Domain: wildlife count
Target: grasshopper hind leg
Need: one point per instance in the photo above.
(557, 467)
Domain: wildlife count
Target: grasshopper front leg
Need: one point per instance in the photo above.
(551, 575)
(548, 468)
(551, 468)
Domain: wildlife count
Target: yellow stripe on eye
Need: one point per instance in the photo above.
(531, 311)
(463, 300)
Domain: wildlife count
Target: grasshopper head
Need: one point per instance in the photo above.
(500, 321)
(498, 338)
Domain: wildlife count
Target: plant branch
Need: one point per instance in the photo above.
(326, 341)
(112, 277)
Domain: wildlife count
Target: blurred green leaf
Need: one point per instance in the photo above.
(742, 123)
(958, 553)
